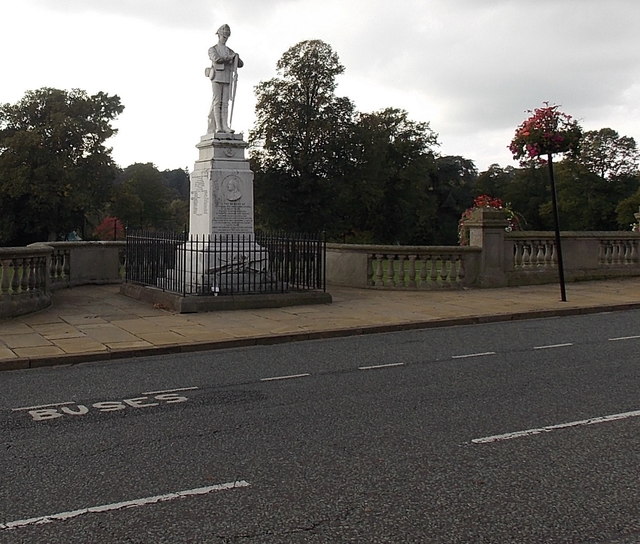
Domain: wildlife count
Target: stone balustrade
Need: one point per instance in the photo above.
(586, 255)
(495, 258)
(29, 274)
(402, 267)
(24, 280)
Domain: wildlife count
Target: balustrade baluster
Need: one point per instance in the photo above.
(526, 255)
(17, 265)
(411, 280)
(444, 270)
(378, 278)
(462, 273)
(554, 256)
(517, 255)
(5, 276)
(33, 268)
(539, 254)
(433, 273)
(617, 254)
(633, 254)
(389, 277)
(424, 268)
(399, 279)
(27, 270)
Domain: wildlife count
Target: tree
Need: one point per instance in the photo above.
(385, 197)
(54, 166)
(141, 198)
(608, 155)
(300, 139)
(453, 184)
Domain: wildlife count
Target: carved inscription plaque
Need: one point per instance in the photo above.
(200, 192)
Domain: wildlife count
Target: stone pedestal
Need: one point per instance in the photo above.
(221, 187)
(486, 230)
(221, 255)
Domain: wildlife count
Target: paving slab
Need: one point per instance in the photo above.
(28, 340)
(79, 345)
(38, 351)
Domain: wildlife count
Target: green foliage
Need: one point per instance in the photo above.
(54, 167)
(594, 185)
(608, 155)
(141, 199)
(146, 198)
(385, 198)
(300, 139)
(319, 165)
(626, 210)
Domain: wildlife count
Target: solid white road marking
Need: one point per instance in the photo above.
(63, 516)
(169, 390)
(529, 432)
(379, 366)
(41, 406)
(473, 355)
(550, 346)
(624, 338)
(284, 377)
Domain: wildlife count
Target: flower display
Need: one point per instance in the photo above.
(514, 219)
(546, 131)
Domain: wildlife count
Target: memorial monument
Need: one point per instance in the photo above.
(221, 205)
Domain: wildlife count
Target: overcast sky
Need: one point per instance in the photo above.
(471, 68)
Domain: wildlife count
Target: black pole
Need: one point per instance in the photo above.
(554, 197)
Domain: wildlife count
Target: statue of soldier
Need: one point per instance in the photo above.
(223, 74)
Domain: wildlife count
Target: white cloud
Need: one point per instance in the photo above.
(471, 68)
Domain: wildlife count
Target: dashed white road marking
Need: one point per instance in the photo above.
(624, 338)
(529, 432)
(63, 516)
(473, 355)
(169, 390)
(291, 376)
(41, 406)
(551, 346)
(371, 367)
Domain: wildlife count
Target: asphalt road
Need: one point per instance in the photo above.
(523, 432)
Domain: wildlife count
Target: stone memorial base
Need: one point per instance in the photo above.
(222, 265)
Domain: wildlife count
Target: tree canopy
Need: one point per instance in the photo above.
(320, 165)
(54, 166)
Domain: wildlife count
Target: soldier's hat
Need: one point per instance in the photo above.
(224, 30)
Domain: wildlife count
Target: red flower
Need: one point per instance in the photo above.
(546, 131)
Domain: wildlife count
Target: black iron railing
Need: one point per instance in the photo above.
(226, 264)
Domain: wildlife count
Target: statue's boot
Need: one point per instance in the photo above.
(225, 117)
(217, 116)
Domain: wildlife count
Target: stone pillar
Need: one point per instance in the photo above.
(221, 255)
(486, 230)
(221, 188)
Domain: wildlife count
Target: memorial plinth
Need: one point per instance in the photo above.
(221, 187)
(221, 255)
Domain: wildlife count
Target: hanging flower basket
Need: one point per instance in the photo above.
(545, 132)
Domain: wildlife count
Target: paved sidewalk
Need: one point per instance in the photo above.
(96, 322)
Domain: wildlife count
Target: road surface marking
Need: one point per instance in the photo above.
(473, 355)
(63, 516)
(529, 432)
(169, 390)
(623, 338)
(379, 366)
(41, 406)
(550, 346)
(284, 377)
